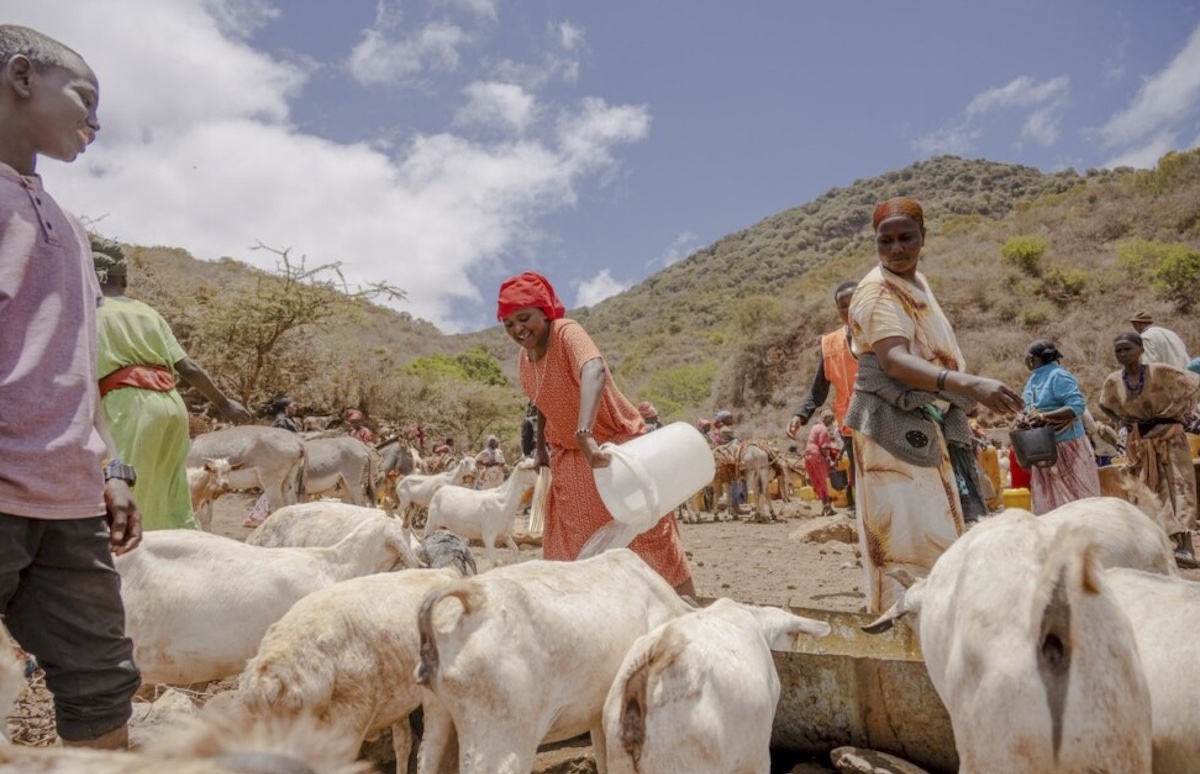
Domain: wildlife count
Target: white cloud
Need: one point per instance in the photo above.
(681, 247)
(1042, 126)
(560, 62)
(1145, 154)
(198, 151)
(489, 104)
(483, 9)
(956, 140)
(1164, 101)
(598, 288)
(1024, 91)
(434, 47)
(1044, 101)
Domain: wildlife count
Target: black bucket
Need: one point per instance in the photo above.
(1035, 447)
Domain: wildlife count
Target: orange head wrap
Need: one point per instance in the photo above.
(526, 290)
(901, 205)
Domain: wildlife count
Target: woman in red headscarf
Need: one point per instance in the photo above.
(579, 407)
(918, 482)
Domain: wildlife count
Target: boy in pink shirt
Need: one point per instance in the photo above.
(63, 510)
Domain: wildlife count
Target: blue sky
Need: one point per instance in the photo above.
(442, 145)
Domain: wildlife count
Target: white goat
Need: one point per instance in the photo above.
(483, 514)
(310, 525)
(417, 490)
(572, 622)
(1028, 648)
(698, 694)
(1163, 612)
(1124, 535)
(206, 484)
(345, 656)
(197, 604)
(324, 523)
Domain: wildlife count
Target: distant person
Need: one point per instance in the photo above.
(284, 410)
(912, 441)
(139, 357)
(491, 461)
(358, 429)
(1105, 441)
(721, 434)
(649, 415)
(418, 436)
(64, 511)
(445, 447)
(819, 452)
(837, 367)
(1159, 344)
(1152, 400)
(1052, 397)
(529, 430)
(579, 407)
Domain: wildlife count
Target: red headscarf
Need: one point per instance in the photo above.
(901, 205)
(526, 290)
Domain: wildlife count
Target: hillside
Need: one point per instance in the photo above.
(736, 323)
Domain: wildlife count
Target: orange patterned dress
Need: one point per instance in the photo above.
(574, 510)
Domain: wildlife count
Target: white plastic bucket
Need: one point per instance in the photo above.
(653, 474)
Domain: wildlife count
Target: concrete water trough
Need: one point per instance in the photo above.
(866, 690)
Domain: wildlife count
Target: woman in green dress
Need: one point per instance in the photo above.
(139, 357)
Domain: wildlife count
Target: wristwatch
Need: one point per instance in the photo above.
(114, 468)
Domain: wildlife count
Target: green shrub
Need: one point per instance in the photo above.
(1137, 255)
(1025, 253)
(1177, 276)
(1062, 284)
(1035, 314)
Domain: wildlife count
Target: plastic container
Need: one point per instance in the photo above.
(654, 473)
(1194, 441)
(1017, 498)
(807, 493)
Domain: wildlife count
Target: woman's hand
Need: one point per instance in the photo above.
(596, 457)
(542, 456)
(995, 395)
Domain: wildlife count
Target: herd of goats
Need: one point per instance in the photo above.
(1059, 643)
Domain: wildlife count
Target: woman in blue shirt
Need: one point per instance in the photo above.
(1052, 397)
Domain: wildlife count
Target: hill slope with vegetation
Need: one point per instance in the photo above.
(1012, 253)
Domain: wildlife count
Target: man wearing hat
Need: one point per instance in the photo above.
(1159, 345)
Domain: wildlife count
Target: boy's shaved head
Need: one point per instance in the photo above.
(42, 50)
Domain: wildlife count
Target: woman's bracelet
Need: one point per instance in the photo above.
(941, 378)
(584, 432)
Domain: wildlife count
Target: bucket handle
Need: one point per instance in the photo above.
(649, 490)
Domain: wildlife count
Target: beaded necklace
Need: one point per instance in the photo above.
(1141, 382)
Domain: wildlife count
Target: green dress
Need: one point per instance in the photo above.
(149, 428)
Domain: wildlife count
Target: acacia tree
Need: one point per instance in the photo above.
(256, 336)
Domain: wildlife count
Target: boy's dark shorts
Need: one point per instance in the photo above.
(61, 599)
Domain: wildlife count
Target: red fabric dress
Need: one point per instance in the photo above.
(574, 510)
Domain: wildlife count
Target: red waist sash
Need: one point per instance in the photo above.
(144, 377)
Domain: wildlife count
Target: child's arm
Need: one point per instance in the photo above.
(124, 519)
